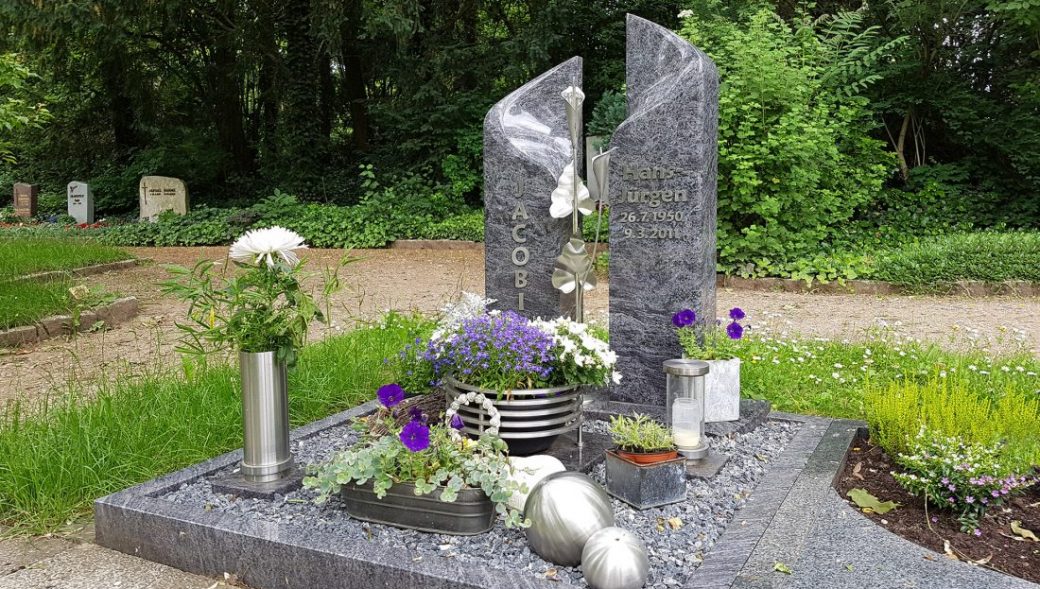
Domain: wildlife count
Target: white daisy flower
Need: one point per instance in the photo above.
(266, 245)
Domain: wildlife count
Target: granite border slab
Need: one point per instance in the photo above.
(266, 555)
(797, 518)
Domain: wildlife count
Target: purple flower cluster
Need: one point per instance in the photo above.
(494, 350)
(734, 330)
(684, 318)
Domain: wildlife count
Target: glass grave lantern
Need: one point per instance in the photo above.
(685, 387)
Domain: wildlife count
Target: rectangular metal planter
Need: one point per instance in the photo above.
(470, 514)
(646, 485)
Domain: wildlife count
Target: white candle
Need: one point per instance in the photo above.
(686, 438)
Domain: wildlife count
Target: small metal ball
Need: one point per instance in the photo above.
(564, 509)
(615, 559)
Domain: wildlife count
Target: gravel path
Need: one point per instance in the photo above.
(423, 280)
(674, 550)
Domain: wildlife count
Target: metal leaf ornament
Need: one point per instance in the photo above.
(563, 197)
(574, 97)
(573, 263)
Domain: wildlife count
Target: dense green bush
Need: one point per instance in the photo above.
(796, 159)
(989, 256)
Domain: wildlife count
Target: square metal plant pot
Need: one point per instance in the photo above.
(646, 485)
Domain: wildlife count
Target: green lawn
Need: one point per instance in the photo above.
(830, 378)
(29, 255)
(26, 301)
(54, 463)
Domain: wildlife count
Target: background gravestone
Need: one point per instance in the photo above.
(159, 193)
(526, 146)
(81, 202)
(662, 205)
(25, 199)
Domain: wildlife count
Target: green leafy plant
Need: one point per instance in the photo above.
(430, 457)
(260, 308)
(953, 474)
(639, 433)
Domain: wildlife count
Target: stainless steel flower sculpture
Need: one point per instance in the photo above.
(573, 272)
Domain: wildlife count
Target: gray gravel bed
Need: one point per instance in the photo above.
(674, 552)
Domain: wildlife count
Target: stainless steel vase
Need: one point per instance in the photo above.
(265, 417)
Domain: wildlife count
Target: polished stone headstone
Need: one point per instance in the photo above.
(662, 205)
(25, 198)
(159, 193)
(526, 147)
(81, 202)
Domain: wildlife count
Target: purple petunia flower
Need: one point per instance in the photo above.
(684, 318)
(734, 330)
(456, 421)
(417, 414)
(390, 394)
(736, 314)
(978, 532)
(415, 436)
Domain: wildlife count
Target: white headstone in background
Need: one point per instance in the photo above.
(81, 202)
(159, 193)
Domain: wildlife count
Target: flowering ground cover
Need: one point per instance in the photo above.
(826, 377)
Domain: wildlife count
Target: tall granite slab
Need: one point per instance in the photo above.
(526, 146)
(160, 193)
(81, 202)
(662, 205)
(26, 197)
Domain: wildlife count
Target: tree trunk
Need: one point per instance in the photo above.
(354, 77)
(226, 95)
(120, 105)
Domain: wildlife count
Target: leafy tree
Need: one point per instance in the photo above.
(19, 107)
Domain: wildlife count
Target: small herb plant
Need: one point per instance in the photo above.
(640, 434)
(716, 343)
(429, 456)
(963, 477)
(261, 308)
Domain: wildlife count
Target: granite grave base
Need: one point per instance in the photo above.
(279, 555)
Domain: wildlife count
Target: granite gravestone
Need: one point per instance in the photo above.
(159, 193)
(81, 202)
(662, 205)
(25, 199)
(526, 147)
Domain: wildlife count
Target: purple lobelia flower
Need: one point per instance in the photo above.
(501, 348)
(734, 330)
(736, 314)
(684, 318)
(456, 421)
(390, 394)
(415, 436)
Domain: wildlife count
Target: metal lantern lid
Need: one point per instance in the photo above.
(685, 367)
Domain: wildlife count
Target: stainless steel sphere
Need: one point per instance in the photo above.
(565, 508)
(615, 559)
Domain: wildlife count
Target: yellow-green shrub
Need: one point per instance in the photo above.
(950, 406)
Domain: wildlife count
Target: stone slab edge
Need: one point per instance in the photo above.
(114, 313)
(84, 271)
(726, 559)
(267, 555)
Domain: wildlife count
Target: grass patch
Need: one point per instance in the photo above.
(29, 255)
(54, 463)
(24, 302)
(988, 256)
(830, 378)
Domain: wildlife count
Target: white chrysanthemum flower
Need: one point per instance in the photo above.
(266, 245)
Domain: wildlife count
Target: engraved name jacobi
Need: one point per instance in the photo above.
(521, 255)
(652, 198)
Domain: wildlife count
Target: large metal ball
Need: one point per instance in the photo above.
(565, 508)
(529, 471)
(615, 559)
